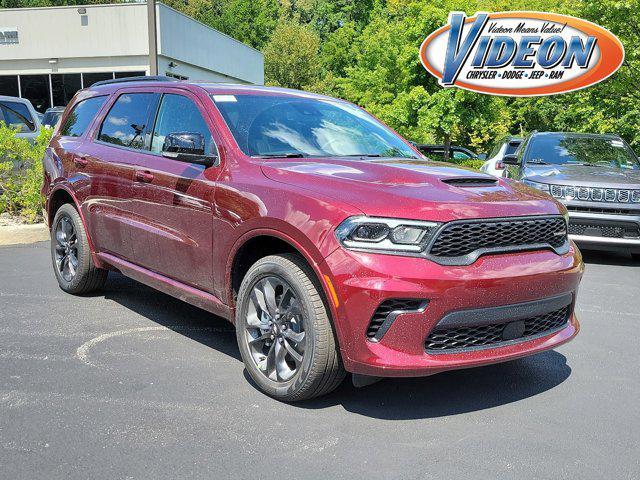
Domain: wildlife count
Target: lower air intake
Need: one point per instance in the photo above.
(387, 312)
(492, 335)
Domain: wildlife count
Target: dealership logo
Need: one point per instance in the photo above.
(521, 53)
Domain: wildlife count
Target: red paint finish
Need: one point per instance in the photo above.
(178, 226)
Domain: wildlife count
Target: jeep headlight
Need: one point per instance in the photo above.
(385, 234)
(537, 185)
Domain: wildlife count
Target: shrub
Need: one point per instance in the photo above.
(21, 173)
(472, 163)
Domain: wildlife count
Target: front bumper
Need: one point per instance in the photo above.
(363, 281)
(606, 231)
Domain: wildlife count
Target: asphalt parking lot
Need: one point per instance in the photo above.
(132, 383)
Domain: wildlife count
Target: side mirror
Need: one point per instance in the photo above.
(482, 156)
(510, 160)
(187, 147)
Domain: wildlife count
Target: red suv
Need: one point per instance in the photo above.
(328, 240)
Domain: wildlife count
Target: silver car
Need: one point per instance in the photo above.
(19, 113)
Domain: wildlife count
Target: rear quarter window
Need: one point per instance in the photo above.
(81, 116)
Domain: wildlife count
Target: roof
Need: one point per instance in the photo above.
(212, 88)
(577, 134)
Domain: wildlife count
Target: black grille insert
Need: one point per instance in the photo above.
(492, 335)
(607, 230)
(610, 211)
(458, 239)
(387, 308)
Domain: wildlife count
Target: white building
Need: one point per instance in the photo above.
(47, 54)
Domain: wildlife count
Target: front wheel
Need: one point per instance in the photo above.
(284, 334)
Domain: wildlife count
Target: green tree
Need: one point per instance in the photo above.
(291, 56)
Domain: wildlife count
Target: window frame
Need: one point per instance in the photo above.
(95, 129)
(65, 116)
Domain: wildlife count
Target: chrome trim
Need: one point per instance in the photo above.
(391, 317)
(595, 194)
(608, 240)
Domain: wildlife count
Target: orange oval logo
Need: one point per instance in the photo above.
(521, 53)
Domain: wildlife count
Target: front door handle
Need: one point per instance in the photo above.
(143, 176)
(80, 161)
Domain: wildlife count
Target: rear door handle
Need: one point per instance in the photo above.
(80, 161)
(142, 176)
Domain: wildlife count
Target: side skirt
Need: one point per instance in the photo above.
(176, 289)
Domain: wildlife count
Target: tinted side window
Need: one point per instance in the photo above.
(17, 115)
(80, 117)
(128, 122)
(458, 155)
(179, 114)
(511, 148)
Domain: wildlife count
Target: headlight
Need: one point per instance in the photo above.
(539, 186)
(385, 234)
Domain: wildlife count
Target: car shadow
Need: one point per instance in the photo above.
(609, 258)
(445, 394)
(167, 311)
(451, 393)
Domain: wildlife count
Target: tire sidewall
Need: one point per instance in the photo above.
(281, 390)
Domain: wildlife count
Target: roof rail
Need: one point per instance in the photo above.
(152, 78)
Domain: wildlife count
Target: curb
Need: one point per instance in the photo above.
(23, 234)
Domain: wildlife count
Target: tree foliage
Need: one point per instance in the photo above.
(366, 51)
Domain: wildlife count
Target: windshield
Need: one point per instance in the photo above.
(282, 125)
(581, 150)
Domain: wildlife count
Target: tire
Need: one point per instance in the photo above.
(85, 277)
(320, 370)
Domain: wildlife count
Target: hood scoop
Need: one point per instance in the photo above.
(471, 181)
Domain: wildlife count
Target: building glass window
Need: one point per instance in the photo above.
(129, 121)
(81, 116)
(9, 85)
(17, 115)
(64, 87)
(129, 74)
(91, 78)
(36, 89)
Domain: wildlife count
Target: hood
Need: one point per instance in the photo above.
(412, 188)
(583, 175)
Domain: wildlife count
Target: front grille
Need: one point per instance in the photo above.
(610, 211)
(608, 230)
(595, 194)
(492, 335)
(389, 306)
(458, 239)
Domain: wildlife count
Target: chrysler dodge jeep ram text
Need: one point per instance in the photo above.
(328, 240)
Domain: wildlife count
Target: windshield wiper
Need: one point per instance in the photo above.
(282, 155)
(372, 155)
(580, 164)
(537, 161)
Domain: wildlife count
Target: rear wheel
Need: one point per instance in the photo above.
(71, 255)
(284, 334)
